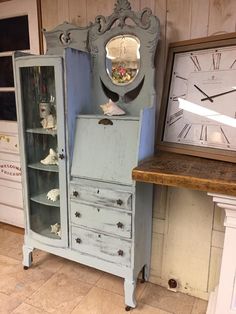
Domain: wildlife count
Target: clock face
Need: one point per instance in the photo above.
(201, 107)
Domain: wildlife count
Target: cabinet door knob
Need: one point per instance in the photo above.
(61, 156)
(77, 214)
(75, 193)
(120, 252)
(119, 202)
(78, 240)
(119, 225)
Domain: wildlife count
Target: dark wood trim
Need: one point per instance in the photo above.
(40, 27)
(196, 173)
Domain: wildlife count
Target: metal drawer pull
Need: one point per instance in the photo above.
(75, 193)
(119, 202)
(120, 253)
(119, 225)
(77, 214)
(78, 240)
(105, 122)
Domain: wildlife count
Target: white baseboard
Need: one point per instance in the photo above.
(12, 215)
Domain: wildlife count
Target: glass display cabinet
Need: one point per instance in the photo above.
(84, 126)
(42, 110)
(46, 137)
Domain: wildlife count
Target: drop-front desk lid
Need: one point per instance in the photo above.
(105, 148)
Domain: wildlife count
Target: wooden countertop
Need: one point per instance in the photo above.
(188, 172)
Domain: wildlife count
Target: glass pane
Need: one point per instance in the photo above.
(7, 106)
(39, 101)
(6, 72)
(14, 33)
(39, 108)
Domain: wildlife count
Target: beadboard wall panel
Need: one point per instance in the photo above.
(180, 218)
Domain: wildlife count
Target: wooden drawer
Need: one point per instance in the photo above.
(103, 219)
(118, 199)
(105, 247)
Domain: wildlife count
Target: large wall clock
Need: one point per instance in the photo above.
(198, 114)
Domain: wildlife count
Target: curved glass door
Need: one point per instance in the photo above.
(43, 137)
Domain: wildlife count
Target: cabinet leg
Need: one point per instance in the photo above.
(27, 256)
(129, 286)
(145, 273)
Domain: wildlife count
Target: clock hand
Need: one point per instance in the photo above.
(221, 94)
(207, 97)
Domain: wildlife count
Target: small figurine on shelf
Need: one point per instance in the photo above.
(111, 109)
(46, 110)
(51, 159)
(53, 195)
(56, 229)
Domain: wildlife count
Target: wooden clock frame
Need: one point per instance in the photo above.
(194, 150)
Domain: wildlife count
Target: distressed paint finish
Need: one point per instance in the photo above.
(207, 17)
(101, 196)
(115, 148)
(103, 246)
(102, 219)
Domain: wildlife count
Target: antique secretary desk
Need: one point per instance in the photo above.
(79, 197)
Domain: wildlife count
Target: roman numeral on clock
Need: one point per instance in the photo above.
(203, 134)
(224, 135)
(216, 57)
(196, 63)
(175, 117)
(233, 64)
(184, 132)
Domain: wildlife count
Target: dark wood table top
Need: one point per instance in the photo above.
(189, 172)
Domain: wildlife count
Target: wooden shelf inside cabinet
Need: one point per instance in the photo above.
(42, 131)
(42, 199)
(40, 166)
(189, 172)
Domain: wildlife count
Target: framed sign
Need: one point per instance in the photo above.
(198, 112)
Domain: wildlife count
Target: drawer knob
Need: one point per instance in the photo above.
(119, 202)
(78, 240)
(120, 252)
(61, 156)
(77, 214)
(119, 225)
(75, 193)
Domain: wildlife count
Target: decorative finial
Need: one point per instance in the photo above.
(122, 5)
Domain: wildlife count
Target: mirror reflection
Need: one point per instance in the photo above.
(123, 59)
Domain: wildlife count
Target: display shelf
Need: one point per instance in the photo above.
(42, 199)
(42, 131)
(40, 166)
(45, 232)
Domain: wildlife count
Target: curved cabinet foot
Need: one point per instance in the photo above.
(27, 256)
(130, 300)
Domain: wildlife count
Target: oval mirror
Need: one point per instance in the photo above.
(123, 58)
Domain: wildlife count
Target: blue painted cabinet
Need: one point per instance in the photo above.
(83, 204)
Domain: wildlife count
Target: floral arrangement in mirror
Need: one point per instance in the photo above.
(56, 229)
(111, 109)
(51, 159)
(53, 195)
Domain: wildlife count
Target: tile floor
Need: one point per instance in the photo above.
(56, 285)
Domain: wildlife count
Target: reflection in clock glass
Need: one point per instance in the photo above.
(123, 59)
